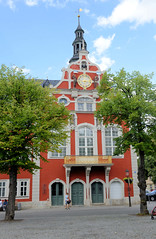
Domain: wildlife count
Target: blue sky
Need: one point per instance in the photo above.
(38, 34)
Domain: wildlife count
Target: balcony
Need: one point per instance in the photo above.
(100, 160)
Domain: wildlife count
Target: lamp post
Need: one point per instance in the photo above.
(128, 182)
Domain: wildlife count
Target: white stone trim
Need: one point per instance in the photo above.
(6, 188)
(134, 175)
(104, 187)
(77, 180)
(36, 183)
(57, 180)
(117, 180)
(103, 138)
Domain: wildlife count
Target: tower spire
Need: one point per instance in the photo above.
(79, 43)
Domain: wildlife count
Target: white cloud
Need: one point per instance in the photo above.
(31, 2)
(154, 37)
(55, 3)
(133, 11)
(101, 44)
(87, 11)
(24, 70)
(50, 3)
(11, 4)
(104, 62)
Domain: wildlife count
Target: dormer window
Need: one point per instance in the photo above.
(83, 65)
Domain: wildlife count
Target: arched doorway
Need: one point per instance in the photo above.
(57, 194)
(97, 192)
(116, 190)
(77, 192)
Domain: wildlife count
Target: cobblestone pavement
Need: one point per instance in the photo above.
(96, 222)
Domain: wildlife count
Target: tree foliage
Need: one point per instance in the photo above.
(150, 165)
(130, 100)
(31, 122)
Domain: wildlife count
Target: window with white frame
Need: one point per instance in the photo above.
(85, 104)
(23, 188)
(111, 133)
(2, 188)
(85, 141)
(62, 153)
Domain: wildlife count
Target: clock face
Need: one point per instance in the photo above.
(84, 81)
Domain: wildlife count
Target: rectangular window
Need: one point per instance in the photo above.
(89, 151)
(81, 141)
(111, 133)
(2, 188)
(89, 106)
(89, 141)
(62, 152)
(81, 106)
(82, 151)
(22, 187)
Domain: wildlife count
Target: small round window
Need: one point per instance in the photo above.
(63, 100)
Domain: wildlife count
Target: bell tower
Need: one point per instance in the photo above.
(79, 43)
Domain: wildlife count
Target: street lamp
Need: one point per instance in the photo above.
(128, 182)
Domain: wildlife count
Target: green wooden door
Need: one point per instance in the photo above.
(57, 194)
(97, 192)
(77, 194)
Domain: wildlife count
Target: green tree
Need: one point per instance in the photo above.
(130, 99)
(31, 122)
(150, 165)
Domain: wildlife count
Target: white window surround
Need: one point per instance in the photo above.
(104, 138)
(104, 187)
(6, 188)
(21, 187)
(64, 97)
(57, 180)
(94, 129)
(50, 156)
(77, 180)
(18, 188)
(86, 105)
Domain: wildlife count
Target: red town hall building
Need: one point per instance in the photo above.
(86, 167)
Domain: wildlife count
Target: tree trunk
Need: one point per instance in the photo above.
(142, 184)
(10, 209)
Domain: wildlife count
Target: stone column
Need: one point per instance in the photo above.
(107, 171)
(88, 169)
(68, 169)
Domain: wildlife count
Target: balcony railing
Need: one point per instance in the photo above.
(80, 160)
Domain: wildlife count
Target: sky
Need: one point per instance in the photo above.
(38, 34)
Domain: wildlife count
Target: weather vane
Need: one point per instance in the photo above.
(78, 11)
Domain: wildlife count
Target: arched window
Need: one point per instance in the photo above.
(85, 104)
(85, 141)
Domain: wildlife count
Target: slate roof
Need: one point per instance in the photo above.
(49, 82)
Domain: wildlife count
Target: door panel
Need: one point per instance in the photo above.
(77, 194)
(57, 194)
(97, 192)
